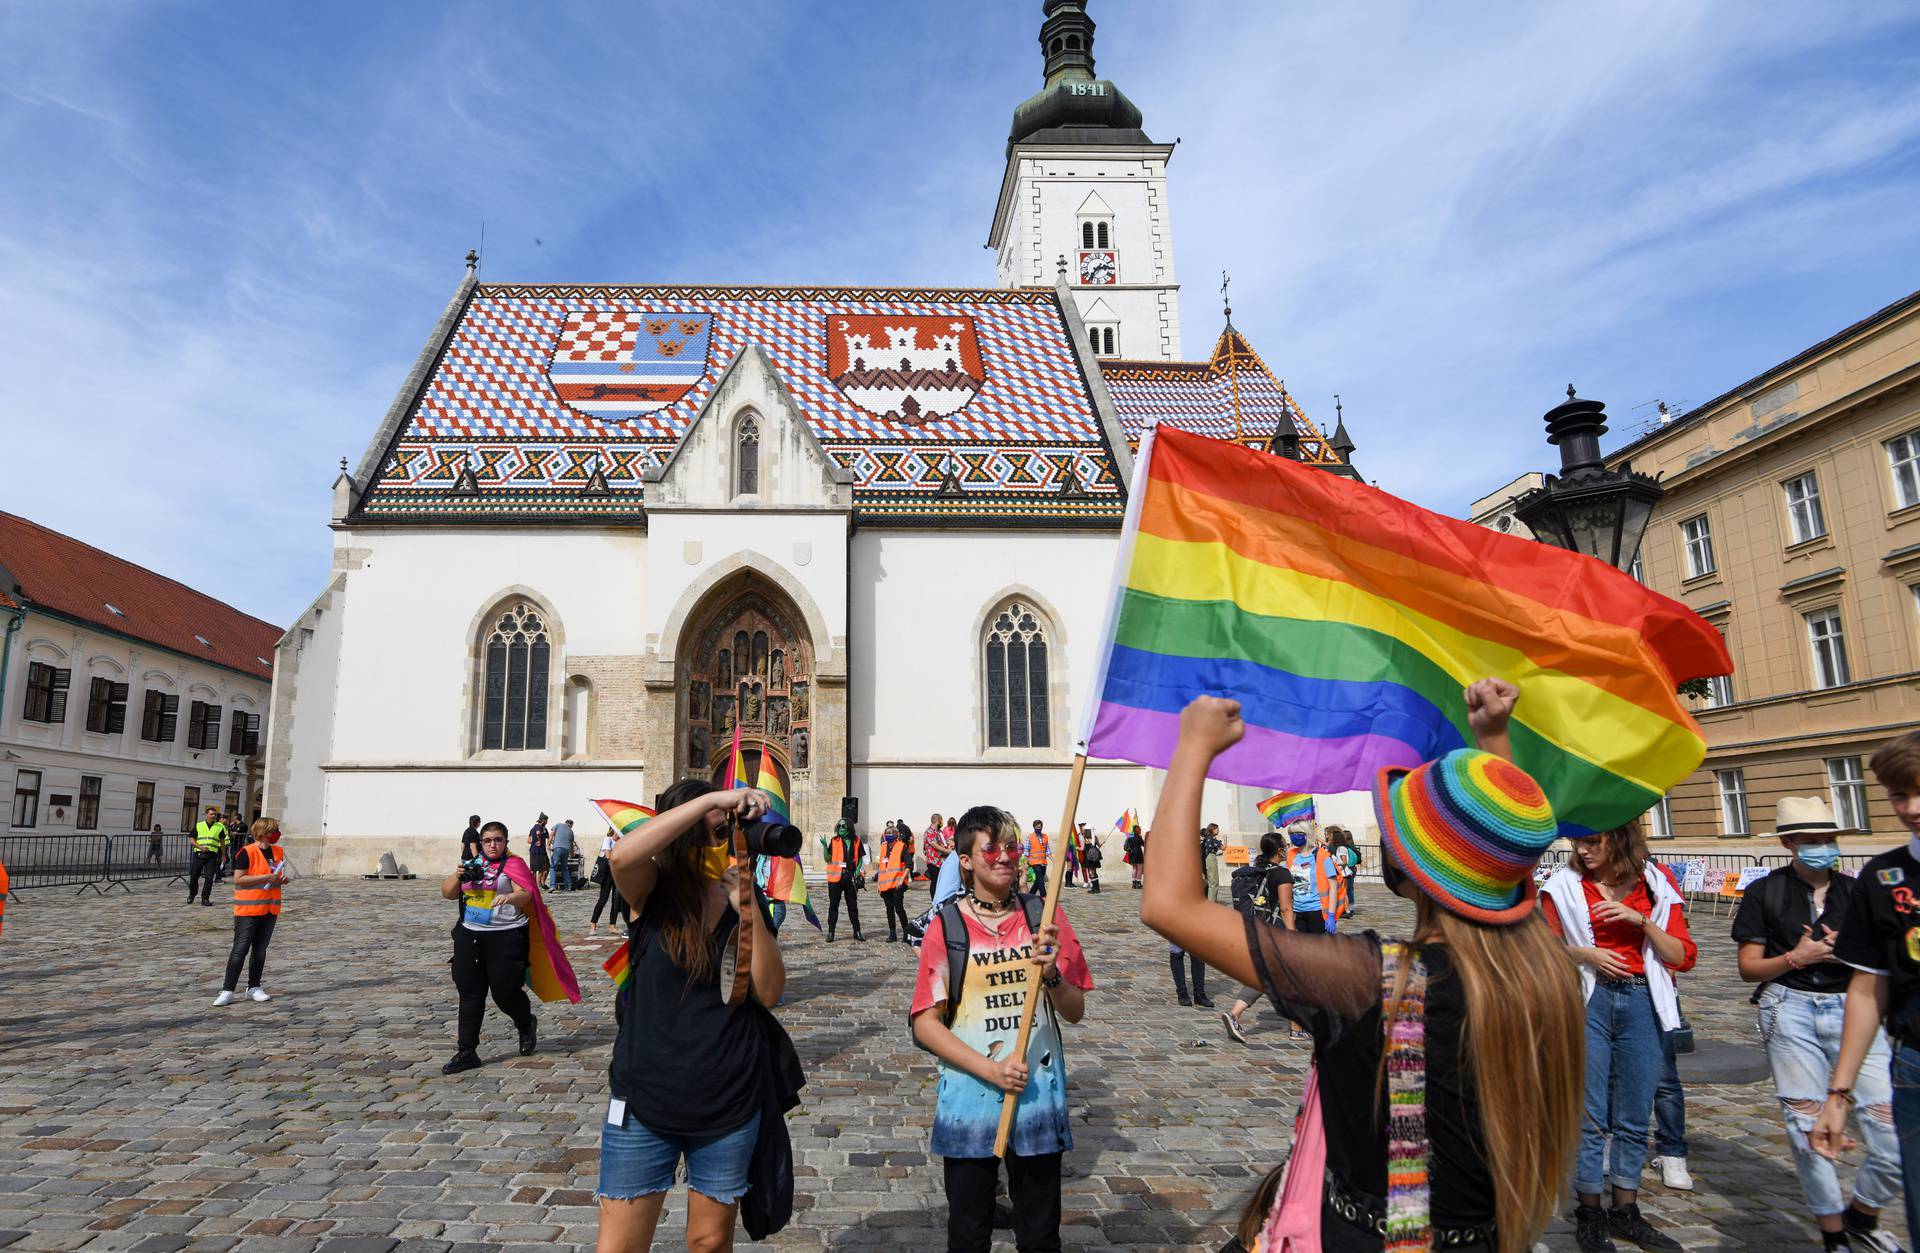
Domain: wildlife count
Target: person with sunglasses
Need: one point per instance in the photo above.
(491, 944)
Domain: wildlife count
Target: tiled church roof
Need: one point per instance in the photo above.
(1019, 420)
(973, 406)
(1231, 396)
(60, 574)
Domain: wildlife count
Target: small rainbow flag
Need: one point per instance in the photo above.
(1347, 624)
(618, 966)
(1126, 822)
(773, 781)
(1283, 808)
(624, 815)
(737, 763)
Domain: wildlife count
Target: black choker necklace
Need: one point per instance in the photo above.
(989, 907)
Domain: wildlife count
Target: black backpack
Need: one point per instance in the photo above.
(954, 928)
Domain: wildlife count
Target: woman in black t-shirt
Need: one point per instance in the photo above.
(1272, 901)
(688, 1069)
(1461, 836)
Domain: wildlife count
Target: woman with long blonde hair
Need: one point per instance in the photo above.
(1458, 1051)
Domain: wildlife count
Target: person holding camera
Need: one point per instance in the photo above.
(491, 943)
(689, 1071)
(846, 857)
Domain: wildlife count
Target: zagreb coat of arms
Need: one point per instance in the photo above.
(615, 363)
(905, 368)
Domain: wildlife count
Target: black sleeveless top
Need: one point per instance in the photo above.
(685, 1063)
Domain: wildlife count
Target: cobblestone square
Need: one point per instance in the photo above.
(134, 1115)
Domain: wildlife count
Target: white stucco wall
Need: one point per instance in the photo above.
(306, 679)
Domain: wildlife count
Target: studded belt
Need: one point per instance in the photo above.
(1622, 981)
(1369, 1213)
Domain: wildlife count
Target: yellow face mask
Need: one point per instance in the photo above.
(716, 859)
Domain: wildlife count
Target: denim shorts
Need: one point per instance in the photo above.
(635, 1162)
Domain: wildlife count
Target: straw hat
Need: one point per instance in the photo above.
(1469, 829)
(1797, 815)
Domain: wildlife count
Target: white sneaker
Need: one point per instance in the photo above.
(259, 994)
(1875, 1241)
(1674, 1173)
(225, 998)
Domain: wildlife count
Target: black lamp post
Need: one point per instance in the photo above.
(1587, 507)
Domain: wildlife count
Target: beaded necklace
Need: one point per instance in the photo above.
(1409, 1228)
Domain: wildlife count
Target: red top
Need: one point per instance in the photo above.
(1623, 939)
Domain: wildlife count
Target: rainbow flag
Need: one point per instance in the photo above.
(784, 882)
(1283, 808)
(1347, 623)
(1126, 822)
(624, 815)
(618, 966)
(773, 781)
(736, 764)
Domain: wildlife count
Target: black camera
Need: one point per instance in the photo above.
(473, 870)
(770, 837)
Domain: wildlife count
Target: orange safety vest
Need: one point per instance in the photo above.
(893, 865)
(837, 856)
(1037, 848)
(262, 898)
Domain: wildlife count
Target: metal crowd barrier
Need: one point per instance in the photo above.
(92, 862)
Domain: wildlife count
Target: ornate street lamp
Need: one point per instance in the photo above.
(1587, 507)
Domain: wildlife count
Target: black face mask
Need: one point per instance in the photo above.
(1390, 875)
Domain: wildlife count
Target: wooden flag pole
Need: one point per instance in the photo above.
(1056, 874)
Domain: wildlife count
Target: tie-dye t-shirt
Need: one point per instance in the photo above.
(966, 1114)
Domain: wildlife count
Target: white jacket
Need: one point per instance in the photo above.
(1570, 903)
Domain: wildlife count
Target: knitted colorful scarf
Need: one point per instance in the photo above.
(1408, 1228)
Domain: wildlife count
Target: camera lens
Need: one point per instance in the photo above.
(773, 839)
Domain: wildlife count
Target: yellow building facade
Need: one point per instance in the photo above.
(1791, 521)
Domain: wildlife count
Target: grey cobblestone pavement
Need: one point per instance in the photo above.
(135, 1116)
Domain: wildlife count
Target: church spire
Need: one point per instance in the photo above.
(1066, 40)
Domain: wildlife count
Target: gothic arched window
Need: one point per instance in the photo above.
(513, 713)
(746, 446)
(1016, 677)
(1086, 234)
(1100, 233)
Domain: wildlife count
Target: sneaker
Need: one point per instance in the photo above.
(258, 994)
(529, 1039)
(1233, 1027)
(1183, 998)
(1863, 1238)
(465, 1059)
(1673, 1173)
(1294, 1033)
(1626, 1222)
(1202, 1000)
(1590, 1229)
(225, 998)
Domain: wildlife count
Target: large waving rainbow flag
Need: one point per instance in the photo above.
(784, 881)
(624, 815)
(1348, 622)
(1286, 807)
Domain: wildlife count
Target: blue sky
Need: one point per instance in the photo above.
(226, 230)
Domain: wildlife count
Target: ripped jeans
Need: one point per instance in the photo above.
(1802, 1033)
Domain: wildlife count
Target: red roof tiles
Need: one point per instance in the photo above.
(60, 574)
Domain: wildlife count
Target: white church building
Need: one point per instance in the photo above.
(603, 525)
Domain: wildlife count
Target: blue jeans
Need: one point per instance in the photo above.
(1624, 1061)
(1669, 1105)
(562, 875)
(1802, 1033)
(1906, 1124)
(636, 1162)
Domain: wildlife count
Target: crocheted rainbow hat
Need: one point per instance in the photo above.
(1469, 829)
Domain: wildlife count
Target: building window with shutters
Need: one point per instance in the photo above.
(46, 693)
(1829, 647)
(189, 809)
(1903, 457)
(26, 798)
(1733, 800)
(86, 815)
(517, 653)
(159, 717)
(1848, 787)
(203, 725)
(244, 739)
(1017, 698)
(106, 706)
(142, 805)
(1805, 519)
(1699, 543)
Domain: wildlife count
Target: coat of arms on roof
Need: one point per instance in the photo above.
(615, 363)
(905, 368)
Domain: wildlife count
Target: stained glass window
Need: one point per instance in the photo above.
(1017, 706)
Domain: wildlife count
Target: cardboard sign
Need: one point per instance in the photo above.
(1753, 874)
(1692, 874)
(1730, 883)
(1237, 855)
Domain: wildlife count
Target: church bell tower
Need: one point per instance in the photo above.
(1083, 183)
